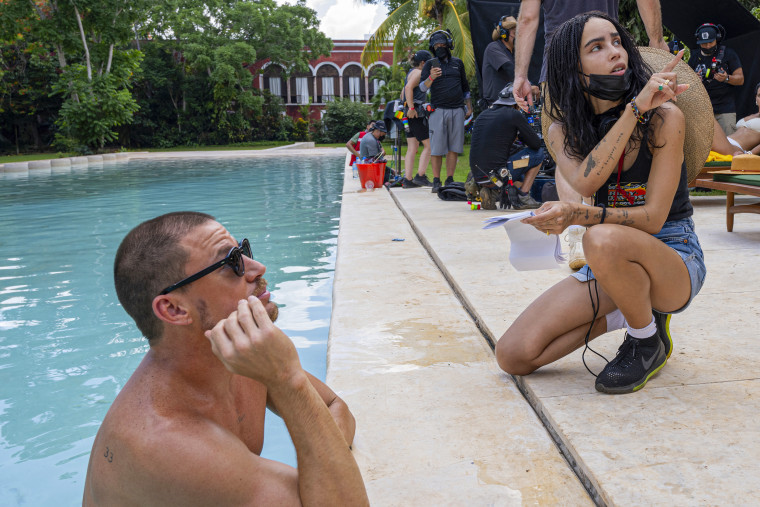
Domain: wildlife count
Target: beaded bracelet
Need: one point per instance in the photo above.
(639, 117)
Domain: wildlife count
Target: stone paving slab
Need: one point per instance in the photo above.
(437, 422)
(691, 436)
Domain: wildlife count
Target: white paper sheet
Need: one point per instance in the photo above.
(530, 248)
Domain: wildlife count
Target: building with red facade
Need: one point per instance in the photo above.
(339, 75)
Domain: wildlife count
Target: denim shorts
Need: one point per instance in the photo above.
(535, 157)
(680, 236)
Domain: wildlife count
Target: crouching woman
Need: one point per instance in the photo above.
(617, 137)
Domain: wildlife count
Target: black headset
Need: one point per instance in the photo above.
(503, 32)
(449, 40)
(719, 30)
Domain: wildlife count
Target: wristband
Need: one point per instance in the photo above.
(728, 76)
(604, 213)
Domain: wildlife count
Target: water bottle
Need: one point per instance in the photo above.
(405, 121)
(355, 169)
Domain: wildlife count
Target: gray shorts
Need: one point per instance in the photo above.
(680, 236)
(446, 131)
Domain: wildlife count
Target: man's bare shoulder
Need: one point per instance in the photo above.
(147, 452)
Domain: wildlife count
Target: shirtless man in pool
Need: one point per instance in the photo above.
(747, 135)
(188, 426)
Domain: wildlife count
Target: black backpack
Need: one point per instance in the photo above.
(454, 191)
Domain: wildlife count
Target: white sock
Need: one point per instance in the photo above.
(615, 321)
(644, 332)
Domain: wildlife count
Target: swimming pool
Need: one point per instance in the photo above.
(66, 345)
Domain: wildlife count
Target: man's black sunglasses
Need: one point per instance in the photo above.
(234, 259)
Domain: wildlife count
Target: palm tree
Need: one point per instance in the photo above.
(416, 19)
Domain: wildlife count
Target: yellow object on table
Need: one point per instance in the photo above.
(714, 156)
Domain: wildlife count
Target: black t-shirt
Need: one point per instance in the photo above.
(447, 91)
(498, 70)
(493, 133)
(721, 94)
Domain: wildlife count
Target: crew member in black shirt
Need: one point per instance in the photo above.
(446, 79)
(499, 60)
(720, 70)
(493, 135)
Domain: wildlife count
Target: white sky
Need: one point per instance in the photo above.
(346, 19)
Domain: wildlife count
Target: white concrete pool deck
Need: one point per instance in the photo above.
(438, 423)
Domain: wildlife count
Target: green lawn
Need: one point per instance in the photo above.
(460, 174)
(257, 145)
(36, 156)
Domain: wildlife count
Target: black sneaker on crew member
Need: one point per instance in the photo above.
(663, 328)
(450, 179)
(422, 180)
(436, 185)
(409, 184)
(637, 360)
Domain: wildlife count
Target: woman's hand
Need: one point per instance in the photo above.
(553, 217)
(661, 87)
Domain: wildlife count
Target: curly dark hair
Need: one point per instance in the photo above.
(569, 106)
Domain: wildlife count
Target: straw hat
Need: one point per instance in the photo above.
(694, 102)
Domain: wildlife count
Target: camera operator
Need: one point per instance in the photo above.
(493, 135)
(499, 60)
(720, 70)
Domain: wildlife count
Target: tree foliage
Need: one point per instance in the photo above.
(414, 20)
(344, 118)
(133, 71)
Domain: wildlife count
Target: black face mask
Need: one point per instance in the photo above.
(442, 53)
(710, 51)
(381, 138)
(609, 87)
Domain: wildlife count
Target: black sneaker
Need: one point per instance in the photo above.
(422, 181)
(450, 179)
(436, 185)
(409, 184)
(637, 360)
(663, 327)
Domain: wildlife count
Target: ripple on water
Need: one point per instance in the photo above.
(67, 347)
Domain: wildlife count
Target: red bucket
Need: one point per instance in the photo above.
(371, 175)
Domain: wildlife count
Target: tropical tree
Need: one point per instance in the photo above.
(215, 41)
(393, 82)
(413, 20)
(27, 70)
(88, 40)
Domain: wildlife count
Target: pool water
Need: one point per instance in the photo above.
(66, 345)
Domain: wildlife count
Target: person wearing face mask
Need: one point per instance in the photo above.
(720, 70)
(619, 138)
(499, 60)
(370, 147)
(446, 79)
(555, 13)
